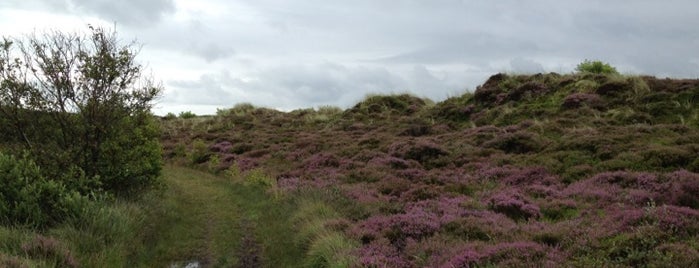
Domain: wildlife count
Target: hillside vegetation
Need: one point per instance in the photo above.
(584, 169)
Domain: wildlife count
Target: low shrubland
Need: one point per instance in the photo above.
(579, 169)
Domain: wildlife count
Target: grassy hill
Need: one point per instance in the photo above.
(546, 169)
(582, 170)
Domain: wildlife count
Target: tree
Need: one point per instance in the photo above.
(81, 103)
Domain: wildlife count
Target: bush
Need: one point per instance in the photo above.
(596, 67)
(27, 198)
(169, 116)
(187, 115)
(81, 101)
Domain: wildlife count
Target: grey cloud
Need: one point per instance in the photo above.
(136, 13)
(129, 12)
(300, 86)
(477, 48)
(526, 66)
(208, 90)
(210, 51)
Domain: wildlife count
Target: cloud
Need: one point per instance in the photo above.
(208, 90)
(525, 66)
(300, 86)
(129, 12)
(134, 13)
(293, 53)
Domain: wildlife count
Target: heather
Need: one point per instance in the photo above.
(587, 169)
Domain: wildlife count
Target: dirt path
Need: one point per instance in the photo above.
(202, 220)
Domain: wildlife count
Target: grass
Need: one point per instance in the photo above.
(332, 188)
(200, 217)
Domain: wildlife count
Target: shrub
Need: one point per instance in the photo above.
(27, 198)
(199, 153)
(423, 151)
(81, 100)
(520, 142)
(169, 116)
(578, 100)
(514, 205)
(187, 115)
(595, 67)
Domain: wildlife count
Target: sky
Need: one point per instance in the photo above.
(290, 54)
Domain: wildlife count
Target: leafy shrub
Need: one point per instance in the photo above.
(96, 119)
(169, 116)
(595, 67)
(187, 115)
(138, 155)
(199, 153)
(27, 198)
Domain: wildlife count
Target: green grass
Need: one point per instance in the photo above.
(196, 217)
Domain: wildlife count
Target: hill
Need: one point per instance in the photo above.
(545, 169)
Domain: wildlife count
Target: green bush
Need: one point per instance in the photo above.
(132, 161)
(28, 198)
(90, 131)
(169, 116)
(596, 67)
(200, 152)
(187, 115)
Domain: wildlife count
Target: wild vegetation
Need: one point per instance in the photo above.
(77, 144)
(586, 169)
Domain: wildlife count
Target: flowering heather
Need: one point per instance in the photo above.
(507, 254)
(246, 163)
(529, 176)
(563, 177)
(513, 204)
(492, 172)
(381, 253)
(672, 219)
(321, 160)
(412, 174)
(420, 150)
(577, 100)
(684, 189)
(393, 162)
(465, 259)
(221, 147)
(415, 223)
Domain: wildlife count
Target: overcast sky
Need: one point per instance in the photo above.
(289, 54)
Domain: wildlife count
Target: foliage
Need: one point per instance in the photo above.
(82, 102)
(547, 169)
(169, 116)
(595, 67)
(28, 198)
(187, 115)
